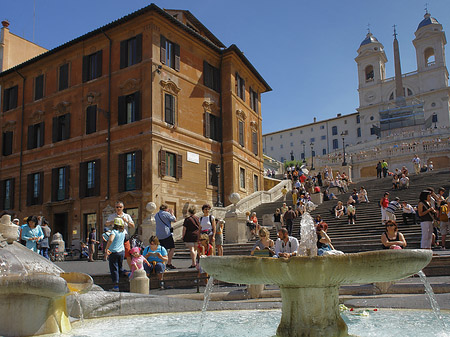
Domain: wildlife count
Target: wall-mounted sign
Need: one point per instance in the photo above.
(193, 157)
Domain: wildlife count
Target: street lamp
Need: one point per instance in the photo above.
(304, 154)
(312, 156)
(343, 134)
(219, 203)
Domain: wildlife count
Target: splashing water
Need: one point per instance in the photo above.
(432, 298)
(308, 241)
(76, 298)
(206, 297)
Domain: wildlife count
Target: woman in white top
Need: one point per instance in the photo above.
(208, 223)
(362, 195)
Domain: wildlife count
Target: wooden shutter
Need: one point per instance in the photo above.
(42, 134)
(83, 180)
(243, 89)
(97, 177)
(123, 54)
(30, 141)
(122, 110)
(7, 143)
(138, 176)
(237, 84)
(137, 105)
(207, 125)
(255, 143)
(216, 79)
(39, 87)
(138, 48)
(177, 56)
(162, 163)
(179, 167)
(2, 193)
(55, 130)
(13, 186)
(85, 74)
(67, 126)
(250, 91)
(91, 119)
(6, 93)
(54, 184)
(29, 189)
(241, 133)
(169, 108)
(99, 60)
(122, 172)
(14, 96)
(41, 188)
(64, 76)
(162, 48)
(67, 182)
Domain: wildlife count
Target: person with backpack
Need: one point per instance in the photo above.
(444, 221)
(208, 223)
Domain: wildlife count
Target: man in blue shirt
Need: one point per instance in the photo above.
(164, 219)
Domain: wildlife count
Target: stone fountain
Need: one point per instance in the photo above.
(33, 290)
(309, 285)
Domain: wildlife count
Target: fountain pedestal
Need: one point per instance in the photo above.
(310, 285)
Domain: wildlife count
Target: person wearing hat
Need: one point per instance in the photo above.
(137, 261)
(32, 233)
(115, 251)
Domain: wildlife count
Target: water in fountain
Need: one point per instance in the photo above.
(432, 298)
(206, 297)
(308, 236)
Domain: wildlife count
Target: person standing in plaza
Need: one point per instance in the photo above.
(128, 222)
(426, 214)
(384, 203)
(191, 234)
(379, 169)
(288, 220)
(164, 230)
(416, 163)
(444, 221)
(32, 233)
(44, 244)
(284, 192)
(115, 250)
(385, 168)
(92, 241)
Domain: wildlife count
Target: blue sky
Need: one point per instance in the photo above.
(305, 50)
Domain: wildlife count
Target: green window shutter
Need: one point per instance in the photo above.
(162, 48)
(177, 56)
(162, 163)
(122, 110)
(138, 48)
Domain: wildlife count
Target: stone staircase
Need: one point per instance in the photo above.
(365, 234)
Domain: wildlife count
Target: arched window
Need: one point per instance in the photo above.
(369, 73)
(429, 57)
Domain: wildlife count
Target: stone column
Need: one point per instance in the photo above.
(149, 224)
(236, 229)
(140, 284)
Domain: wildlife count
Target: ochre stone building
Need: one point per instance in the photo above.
(151, 107)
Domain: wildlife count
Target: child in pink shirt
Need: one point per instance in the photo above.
(137, 261)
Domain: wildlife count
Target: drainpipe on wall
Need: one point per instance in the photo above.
(21, 141)
(108, 139)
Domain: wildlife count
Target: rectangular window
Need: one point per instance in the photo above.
(322, 127)
(213, 176)
(35, 186)
(242, 178)
(60, 183)
(129, 108)
(312, 140)
(281, 146)
(334, 130)
(255, 143)
(169, 109)
(7, 194)
(241, 133)
(255, 183)
(130, 171)
(324, 151)
(7, 143)
(358, 132)
(240, 86)
(271, 148)
(35, 136)
(131, 51)
(91, 119)
(92, 66)
(89, 178)
(63, 82)
(302, 156)
(38, 87)
(358, 119)
(211, 76)
(10, 96)
(323, 137)
(213, 127)
(170, 53)
(61, 128)
(254, 100)
(170, 164)
(292, 144)
(335, 144)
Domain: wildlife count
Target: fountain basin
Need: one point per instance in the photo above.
(310, 285)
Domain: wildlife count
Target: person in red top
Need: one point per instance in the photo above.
(203, 249)
(302, 178)
(384, 203)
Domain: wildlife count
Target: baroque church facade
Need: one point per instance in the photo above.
(421, 104)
